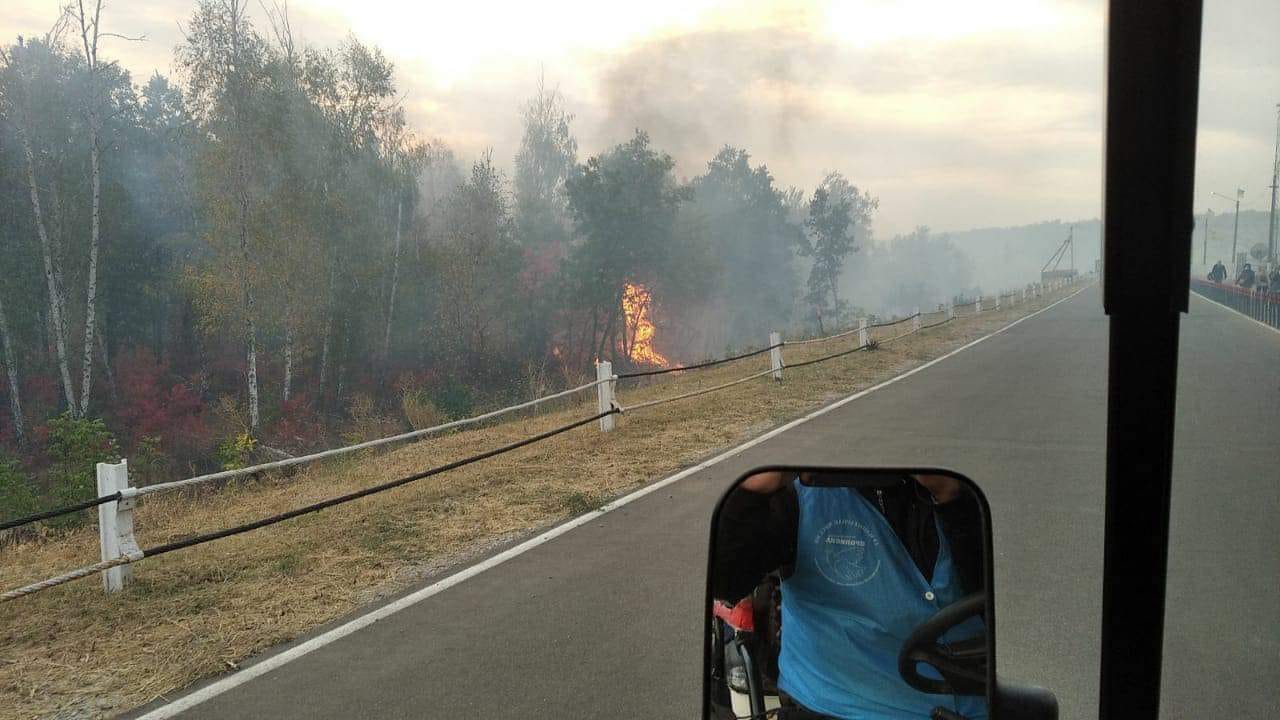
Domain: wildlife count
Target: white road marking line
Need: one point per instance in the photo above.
(265, 666)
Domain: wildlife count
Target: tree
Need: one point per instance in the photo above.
(747, 224)
(838, 215)
(476, 262)
(623, 203)
(544, 164)
(11, 370)
(352, 88)
(225, 62)
(29, 67)
(89, 25)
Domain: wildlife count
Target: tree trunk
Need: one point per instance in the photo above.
(91, 294)
(610, 336)
(57, 250)
(11, 365)
(607, 339)
(246, 294)
(327, 341)
(55, 294)
(288, 360)
(395, 276)
(835, 299)
(250, 328)
(106, 366)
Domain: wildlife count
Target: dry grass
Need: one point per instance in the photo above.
(74, 652)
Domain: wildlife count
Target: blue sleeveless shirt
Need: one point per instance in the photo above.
(852, 601)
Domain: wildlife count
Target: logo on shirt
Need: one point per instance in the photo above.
(847, 553)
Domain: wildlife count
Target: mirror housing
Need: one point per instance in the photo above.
(854, 535)
(1023, 702)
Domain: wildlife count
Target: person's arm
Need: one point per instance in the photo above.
(755, 535)
(961, 523)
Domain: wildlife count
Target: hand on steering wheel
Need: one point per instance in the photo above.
(962, 664)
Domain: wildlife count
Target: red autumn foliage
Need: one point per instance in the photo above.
(153, 403)
(299, 427)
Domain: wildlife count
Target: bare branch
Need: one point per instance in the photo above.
(278, 15)
(118, 36)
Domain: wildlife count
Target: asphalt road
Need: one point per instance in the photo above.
(604, 621)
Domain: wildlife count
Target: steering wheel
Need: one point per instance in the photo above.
(962, 664)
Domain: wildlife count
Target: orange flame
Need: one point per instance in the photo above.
(635, 308)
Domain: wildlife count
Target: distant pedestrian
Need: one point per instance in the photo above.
(1246, 277)
(1218, 273)
(1275, 279)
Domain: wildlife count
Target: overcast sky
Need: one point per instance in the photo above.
(955, 115)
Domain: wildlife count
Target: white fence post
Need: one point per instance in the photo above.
(604, 392)
(115, 523)
(775, 354)
(997, 301)
(915, 321)
(862, 331)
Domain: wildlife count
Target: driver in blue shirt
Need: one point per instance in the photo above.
(861, 569)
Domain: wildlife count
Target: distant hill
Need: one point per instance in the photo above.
(1013, 256)
(1009, 256)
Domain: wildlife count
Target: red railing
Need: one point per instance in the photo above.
(1261, 306)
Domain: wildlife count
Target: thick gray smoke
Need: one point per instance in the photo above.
(696, 92)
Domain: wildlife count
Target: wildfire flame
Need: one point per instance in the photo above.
(639, 328)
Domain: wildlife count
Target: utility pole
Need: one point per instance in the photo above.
(1235, 230)
(1205, 259)
(1275, 176)
(1071, 234)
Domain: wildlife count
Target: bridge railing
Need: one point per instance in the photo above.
(117, 499)
(1261, 306)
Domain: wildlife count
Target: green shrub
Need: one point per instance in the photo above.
(76, 446)
(17, 496)
(148, 463)
(454, 398)
(235, 451)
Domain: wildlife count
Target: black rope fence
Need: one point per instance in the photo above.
(940, 322)
(825, 358)
(894, 322)
(57, 512)
(697, 366)
(297, 512)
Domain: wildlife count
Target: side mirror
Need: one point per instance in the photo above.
(854, 593)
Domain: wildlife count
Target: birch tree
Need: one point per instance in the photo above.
(224, 59)
(21, 86)
(11, 371)
(88, 23)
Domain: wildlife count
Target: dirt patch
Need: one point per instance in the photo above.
(75, 652)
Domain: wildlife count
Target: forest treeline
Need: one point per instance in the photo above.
(259, 252)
